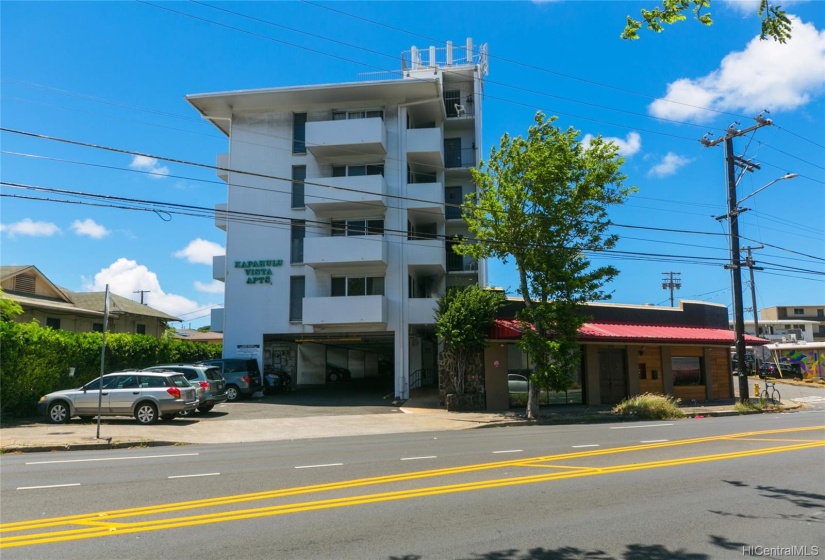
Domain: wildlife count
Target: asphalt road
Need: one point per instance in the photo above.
(685, 489)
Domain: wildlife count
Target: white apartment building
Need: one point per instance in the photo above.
(342, 202)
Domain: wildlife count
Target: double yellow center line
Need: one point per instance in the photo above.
(126, 521)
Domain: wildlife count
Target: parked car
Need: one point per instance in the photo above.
(206, 380)
(786, 371)
(276, 381)
(517, 383)
(146, 395)
(243, 378)
(337, 373)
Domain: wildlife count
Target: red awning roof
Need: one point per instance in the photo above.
(616, 332)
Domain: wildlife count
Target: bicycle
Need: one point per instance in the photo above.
(770, 393)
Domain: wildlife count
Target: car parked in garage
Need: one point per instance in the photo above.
(206, 380)
(337, 373)
(146, 395)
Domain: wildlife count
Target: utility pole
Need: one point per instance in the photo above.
(671, 283)
(733, 220)
(141, 292)
(750, 263)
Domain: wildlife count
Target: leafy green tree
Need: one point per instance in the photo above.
(464, 317)
(542, 201)
(9, 309)
(775, 22)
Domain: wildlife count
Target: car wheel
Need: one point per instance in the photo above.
(58, 412)
(146, 413)
(333, 377)
(232, 393)
(205, 409)
(167, 417)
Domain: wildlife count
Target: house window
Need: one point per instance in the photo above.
(798, 311)
(53, 323)
(297, 285)
(820, 312)
(299, 173)
(358, 286)
(140, 329)
(341, 228)
(687, 371)
(97, 327)
(299, 133)
(296, 254)
(357, 170)
(344, 115)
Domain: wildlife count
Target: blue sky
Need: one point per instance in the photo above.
(114, 74)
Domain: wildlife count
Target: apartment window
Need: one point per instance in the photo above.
(357, 170)
(820, 312)
(453, 201)
(299, 173)
(687, 371)
(53, 323)
(344, 115)
(798, 311)
(140, 329)
(358, 286)
(299, 133)
(297, 285)
(97, 327)
(296, 254)
(342, 228)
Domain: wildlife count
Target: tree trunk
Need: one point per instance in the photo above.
(532, 401)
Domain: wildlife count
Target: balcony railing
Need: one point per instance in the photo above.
(454, 159)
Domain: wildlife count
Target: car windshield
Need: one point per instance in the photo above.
(179, 381)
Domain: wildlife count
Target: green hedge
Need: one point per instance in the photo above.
(36, 360)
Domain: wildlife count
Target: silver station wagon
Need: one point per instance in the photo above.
(148, 396)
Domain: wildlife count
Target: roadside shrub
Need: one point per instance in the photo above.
(35, 360)
(756, 405)
(649, 407)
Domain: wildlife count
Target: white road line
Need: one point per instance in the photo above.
(194, 475)
(417, 458)
(634, 427)
(510, 451)
(589, 445)
(317, 466)
(52, 486)
(113, 459)
(654, 440)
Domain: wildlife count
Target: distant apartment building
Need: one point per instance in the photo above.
(341, 214)
(795, 319)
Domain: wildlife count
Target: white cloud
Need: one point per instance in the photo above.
(216, 287)
(668, 166)
(200, 251)
(766, 75)
(125, 277)
(30, 228)
(751, 7)
(90, 228)
(627, 147)
(150, 165)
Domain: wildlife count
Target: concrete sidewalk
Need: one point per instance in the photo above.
(419, 414)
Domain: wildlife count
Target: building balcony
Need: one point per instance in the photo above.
(219, 267)
(460, 158)
(426, 198)
(221, 216)
(222, 160)
(425, 147)
(421, 311)
(347, 139)
(326, 195)
(345, 252)
(338, 311)
(216, 320)
(426, 255)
